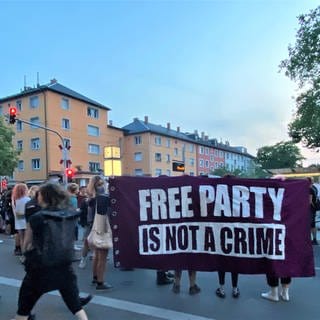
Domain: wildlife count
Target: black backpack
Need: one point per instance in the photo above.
(57, 246)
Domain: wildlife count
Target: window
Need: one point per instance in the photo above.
(19, 145)
(168, 143)
(34, 102)
(93, 148)
(93, 131)
(65, 104)
(158, 172)
(19, 125)
(35, 143)
(94, 166)
(201, 163)
(66, 124)
(211, 157)
(66, 142)
(138, 172)
(157, 156)
(35, 164)
(93, 112)
(138, 156)
(19, 105)
(35, 120)
(137, 140)
(206, 150)
(216, 153)
(201, 150)
(221, 154)
(191, 161)
(212, 168)
(157, 140)
(191, 148)
(175, 152)
(216, 165)
(168, 158)
(20, 165)
(207, 164)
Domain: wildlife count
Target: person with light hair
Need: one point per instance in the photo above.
(19, 199)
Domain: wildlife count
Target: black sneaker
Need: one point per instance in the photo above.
(220, 293)
(103, 287)
(86, 300)
(235, 292)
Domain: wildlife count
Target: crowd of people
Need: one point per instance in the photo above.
(22, 216)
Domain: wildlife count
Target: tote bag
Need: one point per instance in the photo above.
(100, 235)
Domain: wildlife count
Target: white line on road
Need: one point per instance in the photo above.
(124, 305)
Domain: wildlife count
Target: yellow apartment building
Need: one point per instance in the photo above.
(79, 123)
(154, 150)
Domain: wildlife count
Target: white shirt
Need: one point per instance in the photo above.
(20, 207)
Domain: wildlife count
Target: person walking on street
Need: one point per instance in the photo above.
(44, 275)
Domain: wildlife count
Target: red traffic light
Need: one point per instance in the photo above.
(69, 172)
(13, 111)
(12, 115)
(4, 184)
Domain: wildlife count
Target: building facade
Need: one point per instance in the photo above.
(75, 127)
(71, 119)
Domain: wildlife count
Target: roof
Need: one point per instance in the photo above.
(55, 87)
(139, 126)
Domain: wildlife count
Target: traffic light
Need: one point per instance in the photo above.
(4, 184)
(69, 174)
(12, 115)
(178, 166)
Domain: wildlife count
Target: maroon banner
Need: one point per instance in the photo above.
(250, 226)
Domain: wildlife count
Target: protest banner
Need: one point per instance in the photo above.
(250, 226)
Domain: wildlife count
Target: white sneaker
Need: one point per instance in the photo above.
(285, 294)
(83, 262)
(270, 296)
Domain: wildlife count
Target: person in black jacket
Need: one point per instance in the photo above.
(41, 278)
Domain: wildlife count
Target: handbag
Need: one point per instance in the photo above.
(100, 235)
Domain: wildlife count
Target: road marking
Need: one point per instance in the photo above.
(124, 305)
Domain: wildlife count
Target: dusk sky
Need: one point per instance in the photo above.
(211, 66)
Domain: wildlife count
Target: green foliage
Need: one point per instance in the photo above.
(303, 66)
(8, 155)
(258, 172)
(281, 155)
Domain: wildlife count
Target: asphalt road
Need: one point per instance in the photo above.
(137, 297)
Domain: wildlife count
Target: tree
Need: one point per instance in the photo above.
(8, 155)
(281, 155)
(303, 66)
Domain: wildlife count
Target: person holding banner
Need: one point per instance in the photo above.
(273, 294)
(313, 210)
(234, 279)
(273, 282)
(193, 287)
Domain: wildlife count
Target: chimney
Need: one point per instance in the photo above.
(195, 132)
(146, 120)
(206, 138)
(53, 81)
(202, 135)
(135, 119)
(178, 129)
(168, 125)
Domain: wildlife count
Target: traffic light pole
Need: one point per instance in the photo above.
(64, 153)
